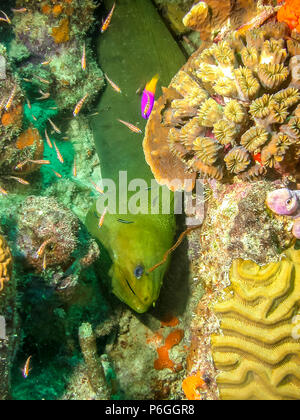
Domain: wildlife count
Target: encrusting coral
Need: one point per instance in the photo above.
(257, 351)
(247, 95)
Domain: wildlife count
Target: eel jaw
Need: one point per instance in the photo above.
(139, 294)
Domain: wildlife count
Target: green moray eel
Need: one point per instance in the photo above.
(136, 46)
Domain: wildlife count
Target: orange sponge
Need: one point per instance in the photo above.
(27, 138)
(290, 14)
(191, 386)
(164, 361)
(12, 117)
(62, 32)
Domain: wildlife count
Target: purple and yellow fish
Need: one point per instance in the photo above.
(148, 97)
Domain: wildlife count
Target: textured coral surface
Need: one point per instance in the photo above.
(237, 115)
(257, 351)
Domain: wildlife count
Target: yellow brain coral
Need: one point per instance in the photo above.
(240, 93)
(258, 352)
(5, 263)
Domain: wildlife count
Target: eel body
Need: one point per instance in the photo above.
(136, 46)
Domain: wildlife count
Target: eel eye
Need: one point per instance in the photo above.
(139, 271)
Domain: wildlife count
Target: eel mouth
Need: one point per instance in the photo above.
(128, 284)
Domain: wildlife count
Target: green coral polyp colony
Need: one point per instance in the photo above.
(244, 113)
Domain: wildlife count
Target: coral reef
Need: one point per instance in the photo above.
(8, 316)
(48, 49)
(237, 227)
(257, 350)
(232, 112)
(18, 142)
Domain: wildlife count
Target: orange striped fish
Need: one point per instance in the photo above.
(101, 221)
(11, 98)
(56, 129)
(83, 59)
(97, 188)
(39, 162)
(131, 127)
(108, 19)
(112, 84)
(20, 180)
(45, 262)
(74, 169)
(42, 248)
(46, 82)
(59, 156)
(23, 10)
(48, 140)
(28, 103)
(79, 105)
(56, 173)
(26, 370)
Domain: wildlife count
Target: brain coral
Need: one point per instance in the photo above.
(257, 352)
(236, 114)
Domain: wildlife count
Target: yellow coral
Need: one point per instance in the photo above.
(225, 87)
(249, 57)
(248, 84)
(258, 352)
(273, 52)
(206, 149)
(5, 263)
(272, 76)
(209, 113)
(287, 97)
(237, 160)
(224, 54)
(254, 138)
(224, 131)
(261, 107)
(243, 91)
(234, 112)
